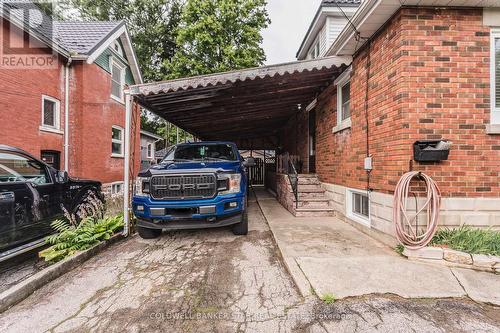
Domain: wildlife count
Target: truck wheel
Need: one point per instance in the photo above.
(242, 227)
(147, 233)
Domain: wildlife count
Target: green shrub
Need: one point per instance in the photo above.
(467, 239)
(70, 238)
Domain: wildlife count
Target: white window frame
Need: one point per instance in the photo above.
(340, 82)
(116, 63)
(149, 144)
(121, 141)
(366, 221)
(495, 110)
(57, 116)
(115, 185)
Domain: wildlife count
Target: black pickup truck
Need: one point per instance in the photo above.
(32, 195)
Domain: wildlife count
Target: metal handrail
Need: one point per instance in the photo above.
(293, 176)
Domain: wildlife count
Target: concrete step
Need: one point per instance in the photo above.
(309, 181)
(321, 203)
(308, 175)
(312, 195)
(314, 212)
(311, 188)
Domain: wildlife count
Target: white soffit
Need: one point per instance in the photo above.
(372, 14)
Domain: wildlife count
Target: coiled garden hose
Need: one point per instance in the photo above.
(405, 232)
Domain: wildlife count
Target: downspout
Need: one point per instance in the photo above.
(66, 114)
(126, 164)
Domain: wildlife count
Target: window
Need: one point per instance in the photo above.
(117, 80)
(117, 141)
(150, 150)
(20, 168)
(343, 100)
(116, 188)
(206, 152)
(315, 50)
(495, 77)
(358, 206)
(50, 112)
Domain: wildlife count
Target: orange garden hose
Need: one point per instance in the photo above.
(405, 232)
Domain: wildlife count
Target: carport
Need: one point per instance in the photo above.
(249, 106)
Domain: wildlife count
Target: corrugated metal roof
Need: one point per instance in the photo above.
(238, 76)
(243, 105)
(341, 2)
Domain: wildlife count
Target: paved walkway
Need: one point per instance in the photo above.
(213, 281)
(326, 255)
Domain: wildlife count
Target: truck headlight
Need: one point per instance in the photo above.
(229, 183)
(141, 187)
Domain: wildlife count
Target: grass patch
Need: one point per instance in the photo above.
(467, 239)
(328, 298)
(399, 249)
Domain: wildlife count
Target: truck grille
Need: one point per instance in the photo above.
(183, 186)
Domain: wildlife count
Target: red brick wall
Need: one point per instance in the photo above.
(429, 79)
(92, 113)
(21, 93)
(294, 138)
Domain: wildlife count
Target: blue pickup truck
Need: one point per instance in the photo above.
(197, 185)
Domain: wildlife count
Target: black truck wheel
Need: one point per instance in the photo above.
(147, 233)
(242, 227)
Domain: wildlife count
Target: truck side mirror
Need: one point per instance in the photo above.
(62, 177)
(249, 162)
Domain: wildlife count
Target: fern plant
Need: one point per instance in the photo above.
(70, 238)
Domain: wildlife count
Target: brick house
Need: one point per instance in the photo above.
(67, 106)
(373, 78)
(417, 73)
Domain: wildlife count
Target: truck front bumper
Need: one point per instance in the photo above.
(223, 210)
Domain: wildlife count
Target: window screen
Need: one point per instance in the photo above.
(360, 204)
(49, 113)
(346, 94)
(116, 81)
(497, 73)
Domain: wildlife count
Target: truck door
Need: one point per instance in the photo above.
(26, 202)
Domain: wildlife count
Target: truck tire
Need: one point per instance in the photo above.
(148, 233)
(242, 227)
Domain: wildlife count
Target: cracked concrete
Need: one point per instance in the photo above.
(213, 281)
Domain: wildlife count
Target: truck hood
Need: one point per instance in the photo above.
(191, 167)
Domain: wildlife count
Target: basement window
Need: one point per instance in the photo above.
(117, 141)
(358, 206)
(116, 188)
(494, 127)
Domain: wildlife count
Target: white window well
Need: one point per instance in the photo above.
(51, 114)
(117, 141)
(117, 80)
(116, 188)
(358, 206)
(343, 100)
(494, 126)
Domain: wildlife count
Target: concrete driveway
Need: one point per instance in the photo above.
(212, 281)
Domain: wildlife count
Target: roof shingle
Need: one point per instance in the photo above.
(74, 37)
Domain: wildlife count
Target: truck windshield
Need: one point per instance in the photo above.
(201, 152)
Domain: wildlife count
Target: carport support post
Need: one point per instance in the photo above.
(126, 164)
